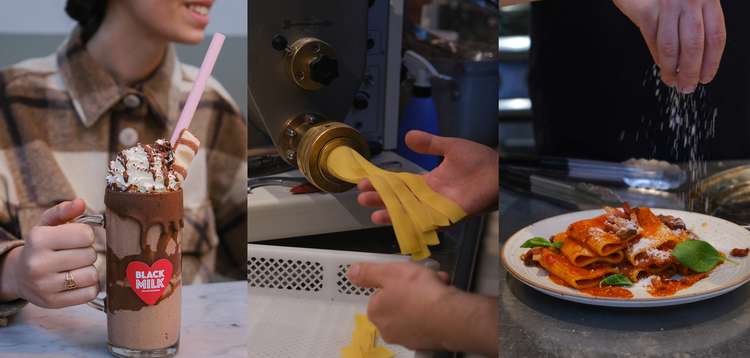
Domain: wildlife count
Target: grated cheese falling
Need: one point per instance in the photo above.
(691, 121)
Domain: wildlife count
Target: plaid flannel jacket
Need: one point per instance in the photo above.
(62, 119)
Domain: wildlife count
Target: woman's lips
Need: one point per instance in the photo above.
(199, 13)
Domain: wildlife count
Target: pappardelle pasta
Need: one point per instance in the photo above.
(624, 246)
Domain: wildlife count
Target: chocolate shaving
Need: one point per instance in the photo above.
(150, 158)
(124, 160)
(165, 172)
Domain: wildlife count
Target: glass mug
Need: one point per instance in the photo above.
(144, 268)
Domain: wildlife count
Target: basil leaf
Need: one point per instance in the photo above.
(616, 280)
(540, 242)
(557, 244)
(697, 255)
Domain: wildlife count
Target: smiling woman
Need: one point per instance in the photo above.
(176, 20)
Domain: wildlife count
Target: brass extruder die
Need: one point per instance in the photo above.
(312, 63)
(308, 139)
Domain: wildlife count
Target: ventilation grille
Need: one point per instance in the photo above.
(346, 287)
(285, 274)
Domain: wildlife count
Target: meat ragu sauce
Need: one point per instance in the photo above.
(662, 287)
(668, 275)
(605, 291)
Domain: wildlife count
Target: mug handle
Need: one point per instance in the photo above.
(94, 220)
(100, 302)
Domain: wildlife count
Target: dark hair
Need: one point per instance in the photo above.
(88, 13)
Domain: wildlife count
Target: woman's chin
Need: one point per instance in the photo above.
(191, 37)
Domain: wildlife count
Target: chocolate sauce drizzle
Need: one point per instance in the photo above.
(124, 160)
(148, 210)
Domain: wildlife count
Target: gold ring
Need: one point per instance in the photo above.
(70, 282)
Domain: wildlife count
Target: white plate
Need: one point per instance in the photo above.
(722, 234)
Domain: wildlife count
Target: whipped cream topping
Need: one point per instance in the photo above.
(144, 169)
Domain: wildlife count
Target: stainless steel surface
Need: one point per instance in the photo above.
(274, 96)
(292, 181)
(725, 194)
(581, 195)
(276, 213)
(274, 181)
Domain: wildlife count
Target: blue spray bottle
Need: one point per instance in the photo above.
(420, 112)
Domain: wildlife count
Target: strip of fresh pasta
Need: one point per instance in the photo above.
(417, 210)
(405, 231)
(344, 166)
(592, 234)
(441, 204)
(577, 277)
(654, 235)
(581, 255)
(654, 227)
(421, 230)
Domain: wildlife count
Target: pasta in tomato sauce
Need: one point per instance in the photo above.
(633, 242)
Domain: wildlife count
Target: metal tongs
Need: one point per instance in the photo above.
(579, 194)
(633, 173)
(575, 195)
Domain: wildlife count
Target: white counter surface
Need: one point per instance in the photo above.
(213, 325)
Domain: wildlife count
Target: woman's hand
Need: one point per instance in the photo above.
(416, 308)
(468, 174)
(36, 271)
(686, 37)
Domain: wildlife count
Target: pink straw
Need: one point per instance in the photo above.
(199, 86)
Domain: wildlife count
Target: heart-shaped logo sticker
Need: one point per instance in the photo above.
(149, 282)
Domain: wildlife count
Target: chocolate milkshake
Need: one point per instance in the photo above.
(143, 223)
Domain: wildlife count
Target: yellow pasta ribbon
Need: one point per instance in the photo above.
(364, 341)
(415, 209)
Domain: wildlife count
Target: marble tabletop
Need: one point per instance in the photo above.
(213, 326)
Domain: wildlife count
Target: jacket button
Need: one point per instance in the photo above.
(128, 137)
(131, 101)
